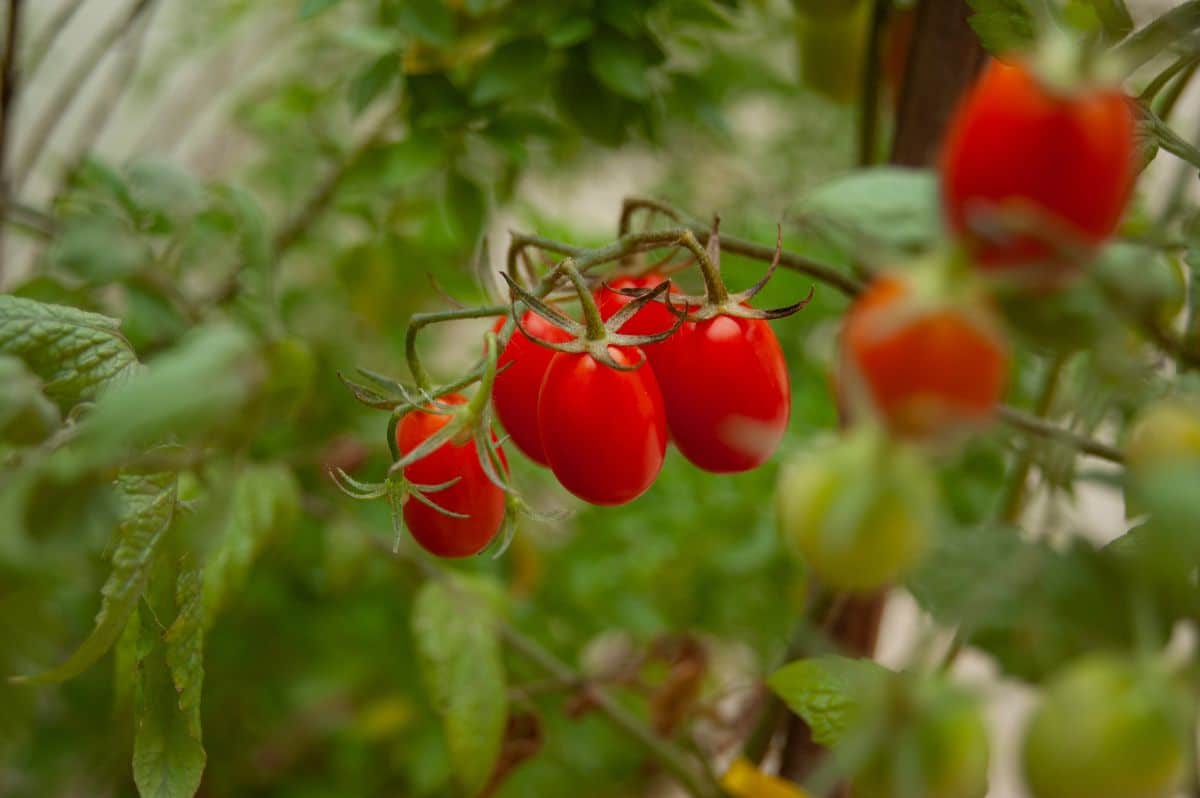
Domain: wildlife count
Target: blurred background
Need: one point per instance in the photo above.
(355, 148)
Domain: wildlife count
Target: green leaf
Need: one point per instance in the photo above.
(464, 205)
(373, 81)
(184, 392)
(310, 8)
(429, 20)
(266, 501)
(99, 249)
(74, 352)
(620, 65)
(1114, 18)
(149, 507)
(570, 32)
(517, 68)
(455, 622)
(828, 692)
(26, 415)
(1004, 26)
(168, 756)
(184, 641)
(884, 207)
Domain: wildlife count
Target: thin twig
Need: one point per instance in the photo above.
(68, 91)
(868, 126)
(1026, 422)
(41, 47)
(41, 224)
(1015, 499)
(8, 92)
(323, 193)
(104, 107)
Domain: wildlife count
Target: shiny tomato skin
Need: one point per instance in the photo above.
(728, 398)
(1017, 144)
(473, 495)
(515, 392)
(924, 371)
(604, 430)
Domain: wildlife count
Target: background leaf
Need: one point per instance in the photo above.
(828, 692)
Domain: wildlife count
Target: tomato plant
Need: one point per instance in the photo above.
(1033, 174)
(469, 507)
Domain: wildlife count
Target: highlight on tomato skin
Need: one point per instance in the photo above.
(473, 495)
(925, 368)
(1033, 178)
(515, 392)
(604, 430)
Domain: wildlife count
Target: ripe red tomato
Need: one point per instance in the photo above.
(1019, 146)
(474, 495)
(652, 319)
(923, 369)
(725, 385)
(515, 392)
(604, 431)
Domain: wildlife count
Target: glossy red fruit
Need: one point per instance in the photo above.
(652, 319)
(474, 495)
(604, 430)
(515, 392)
(725, 386)
(1065, 160)
(923, 368)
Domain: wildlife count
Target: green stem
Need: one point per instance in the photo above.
(1017, 484)
(868, 128)
(420, 320)
(491, 352)
(693, 778)
(714, 286)
(1159, 35)
(1160, 81)
(591, 313)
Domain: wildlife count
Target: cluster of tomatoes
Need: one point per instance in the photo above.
(597, 405)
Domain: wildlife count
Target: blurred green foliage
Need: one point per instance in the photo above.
(183, 590)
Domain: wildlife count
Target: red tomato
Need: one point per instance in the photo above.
(923, 371)
(603, 430)
(652, 319)
(1066, 159)
(725, 385)
(473, 495)
(515, 392)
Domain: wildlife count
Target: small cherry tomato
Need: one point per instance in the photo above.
(1166, 432)
(1106, 729)
(603, 430)
(725, 385)
(473, 495)
(859, 511)
(515, 392)
(1061, 162)
(924, 367)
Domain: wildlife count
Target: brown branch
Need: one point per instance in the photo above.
(8, 92)
(68, 91)
(41, 47)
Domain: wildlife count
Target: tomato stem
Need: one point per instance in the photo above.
(591, 313)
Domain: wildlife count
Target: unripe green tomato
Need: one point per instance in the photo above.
(1166, 432)
(947, 756)
(1106, 729)
(859, 512)
(832, 50)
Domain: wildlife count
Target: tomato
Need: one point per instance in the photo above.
(922, 367)
(725, 385)
(858, 511)
(1066, 158)
(1166, 432)
(652, 319)
(943, 753)
(604, 431)
(1106, 729)
(515, 392)
(474, 495)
